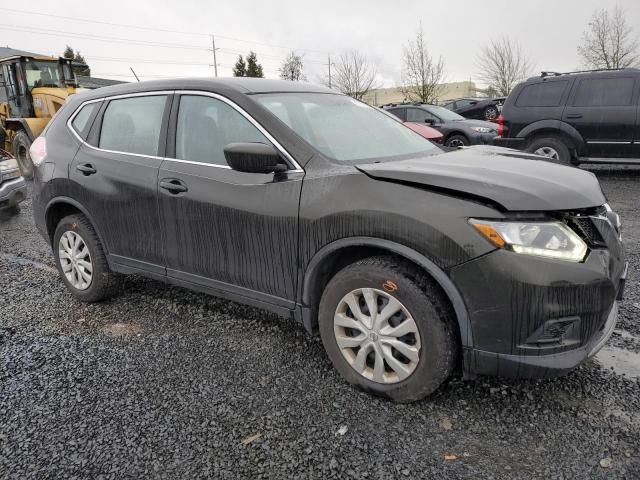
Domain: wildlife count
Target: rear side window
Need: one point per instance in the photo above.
(84, 119)
(544, 94)
(132, 125)
(205, 125)
(604, 92)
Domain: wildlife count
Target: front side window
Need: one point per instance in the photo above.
(544, 94)
(344, 129)
(205, 125)
(420, 116)
(132, 125)
(604, 92)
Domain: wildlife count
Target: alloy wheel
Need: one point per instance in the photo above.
(377, 335)
(455, 143)
(548, 152)
(75, 260)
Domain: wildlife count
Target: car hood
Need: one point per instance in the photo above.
(515, 180)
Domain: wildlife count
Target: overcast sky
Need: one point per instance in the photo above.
(456, 29)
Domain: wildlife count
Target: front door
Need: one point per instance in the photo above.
(603, 110)
(115, 175)
(224, 229)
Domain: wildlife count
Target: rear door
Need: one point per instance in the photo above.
(115, 174)
(603, 110)
(230, 231)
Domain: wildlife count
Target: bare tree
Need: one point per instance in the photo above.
(353, 75)
(503, 64)
(609, 41)
(292, 68)
(422, 74)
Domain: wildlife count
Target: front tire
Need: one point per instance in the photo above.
(457, 141)
(21, 146)
(407, 347)
(552, 148)
(81, 260)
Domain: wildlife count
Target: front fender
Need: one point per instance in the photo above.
(315, 266)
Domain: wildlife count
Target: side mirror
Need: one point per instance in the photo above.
(253, 158)
(473, 103)
(429, 121)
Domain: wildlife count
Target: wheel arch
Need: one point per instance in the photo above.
(456, 132)
(60, 207)
(553, 128)
(323, 265)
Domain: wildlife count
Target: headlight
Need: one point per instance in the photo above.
(482, 129)
(543, 239)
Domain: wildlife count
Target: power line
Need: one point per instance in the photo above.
(131, 41)
(139, 27)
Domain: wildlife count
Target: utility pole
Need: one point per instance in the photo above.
(329, 65)
(215, 61)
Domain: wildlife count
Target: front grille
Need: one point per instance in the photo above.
(587, 230)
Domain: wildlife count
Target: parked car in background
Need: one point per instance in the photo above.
(13, 189)
(411, 262)
(426, 131)
(421, 129)
(477, 108)
(457, 130)
(573, 118)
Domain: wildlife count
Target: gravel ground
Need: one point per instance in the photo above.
(164, 383)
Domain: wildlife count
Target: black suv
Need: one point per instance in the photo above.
(412, 263)
(582, 117)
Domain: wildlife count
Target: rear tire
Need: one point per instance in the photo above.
(21, 146)
(553, 148)
(82, 262)
(457, 141)
(424, 313)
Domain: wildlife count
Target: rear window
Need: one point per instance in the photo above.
(132, 125)
(601, 92)
(544, 94)
(83, 120)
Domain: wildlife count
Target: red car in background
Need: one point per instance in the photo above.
(421, 129)
(425, 131)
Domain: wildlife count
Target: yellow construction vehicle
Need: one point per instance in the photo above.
(32, 89)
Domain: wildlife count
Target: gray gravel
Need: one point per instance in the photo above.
(164, 383)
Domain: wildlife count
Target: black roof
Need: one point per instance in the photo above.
(239, 84)
(6, 52)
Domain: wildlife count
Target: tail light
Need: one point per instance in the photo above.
(500, 122)
(38, 151)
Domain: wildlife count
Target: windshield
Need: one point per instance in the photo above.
(343, 128)
(42, 74)
(444, 114)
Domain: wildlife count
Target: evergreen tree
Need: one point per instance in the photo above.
(254, 69)
(240, 68)
(77, 58)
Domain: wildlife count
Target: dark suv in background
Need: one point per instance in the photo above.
(582, 117)
(412, 263)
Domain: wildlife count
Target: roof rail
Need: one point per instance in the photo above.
(557, 74)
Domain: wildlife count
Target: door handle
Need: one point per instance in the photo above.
(86, 169)
(173, 186)
(574, 115)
